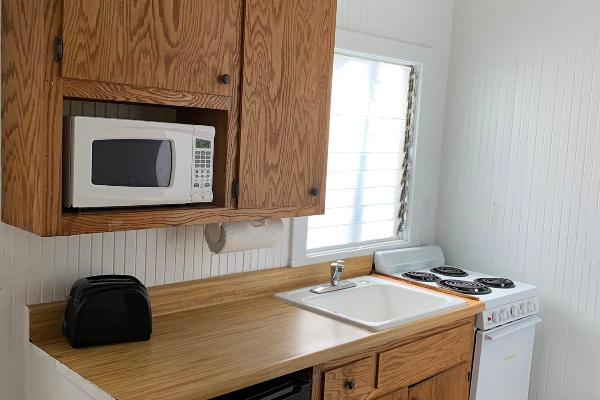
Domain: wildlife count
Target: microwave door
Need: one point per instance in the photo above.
(130, 164)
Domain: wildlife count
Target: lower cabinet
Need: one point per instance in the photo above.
(449, 385)
(433, 365)
(401, 394)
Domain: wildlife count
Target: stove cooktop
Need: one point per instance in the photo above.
(489, 289)
(421, 276)
(465, 287)
(427, 266)
(447, 270)
(498, 283)
(477, 287)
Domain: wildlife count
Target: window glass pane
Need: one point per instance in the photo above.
(366, 142)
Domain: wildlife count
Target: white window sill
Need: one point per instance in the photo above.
(359, 250)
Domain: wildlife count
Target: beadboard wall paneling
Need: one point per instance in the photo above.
(520, 184)
(35, 270)
(423, 22)
(155, 256)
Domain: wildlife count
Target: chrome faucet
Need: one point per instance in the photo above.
(336, 284)
(336, 270)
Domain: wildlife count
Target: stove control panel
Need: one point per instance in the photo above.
(507, 313)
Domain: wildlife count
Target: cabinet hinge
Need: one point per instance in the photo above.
(235, 189)
(58, 49)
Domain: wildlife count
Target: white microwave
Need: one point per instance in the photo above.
(120, 163)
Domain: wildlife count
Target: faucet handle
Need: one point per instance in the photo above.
(341, 264)
(334, 266)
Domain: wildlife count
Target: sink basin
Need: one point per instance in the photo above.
(374, 304)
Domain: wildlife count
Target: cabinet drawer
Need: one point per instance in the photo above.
(352, 381)
(422, 359)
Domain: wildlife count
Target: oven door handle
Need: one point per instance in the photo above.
(513, 328)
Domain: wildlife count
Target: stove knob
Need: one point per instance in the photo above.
(529, 307)
(495, 317)
(504, 315)
(522, 308)
(514, 311)
(533, 306)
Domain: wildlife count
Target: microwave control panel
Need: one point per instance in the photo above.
(202, 166)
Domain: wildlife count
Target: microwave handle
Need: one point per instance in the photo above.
(513, 328)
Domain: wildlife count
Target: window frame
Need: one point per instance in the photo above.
(353, 44)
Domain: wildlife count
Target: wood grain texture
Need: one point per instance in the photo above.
(31, 116)
(118, 92)
(452, 384)
(45, 319)
(422, 359)
(182, 45)
(401, 394)
(197, 294)
(286, 89)
(187, 359)
(404, 368)
(75, 223)
(442, 327)
(361, 373)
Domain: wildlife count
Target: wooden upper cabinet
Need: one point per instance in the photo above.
(185, 45)
(286, 90)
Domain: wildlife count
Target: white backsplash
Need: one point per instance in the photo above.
(35, 270)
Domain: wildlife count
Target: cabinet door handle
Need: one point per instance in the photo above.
(225, 79)
(350, 384)
(315, 191)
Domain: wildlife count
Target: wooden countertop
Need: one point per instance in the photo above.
(204, 352)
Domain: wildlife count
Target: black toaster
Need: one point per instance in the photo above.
(107, 309)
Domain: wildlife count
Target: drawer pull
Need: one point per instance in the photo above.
(350, 384)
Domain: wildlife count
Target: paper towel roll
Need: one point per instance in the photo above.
(239, 236)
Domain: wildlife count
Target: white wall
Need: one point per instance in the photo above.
(419, 32)
(34, 269)
(520, 176)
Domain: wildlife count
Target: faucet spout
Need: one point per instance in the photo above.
(335, 284)
(336, 271)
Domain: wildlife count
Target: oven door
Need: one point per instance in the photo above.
(128, 163)
(502, 361)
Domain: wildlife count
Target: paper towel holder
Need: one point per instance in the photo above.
(242, 236)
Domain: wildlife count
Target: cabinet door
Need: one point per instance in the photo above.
(352, 381)
(401, 394)
(286, 89)
(174, 44)
(452, 384)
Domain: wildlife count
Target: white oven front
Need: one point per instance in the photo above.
(502, 361)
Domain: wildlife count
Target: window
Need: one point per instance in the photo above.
(372, 110)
